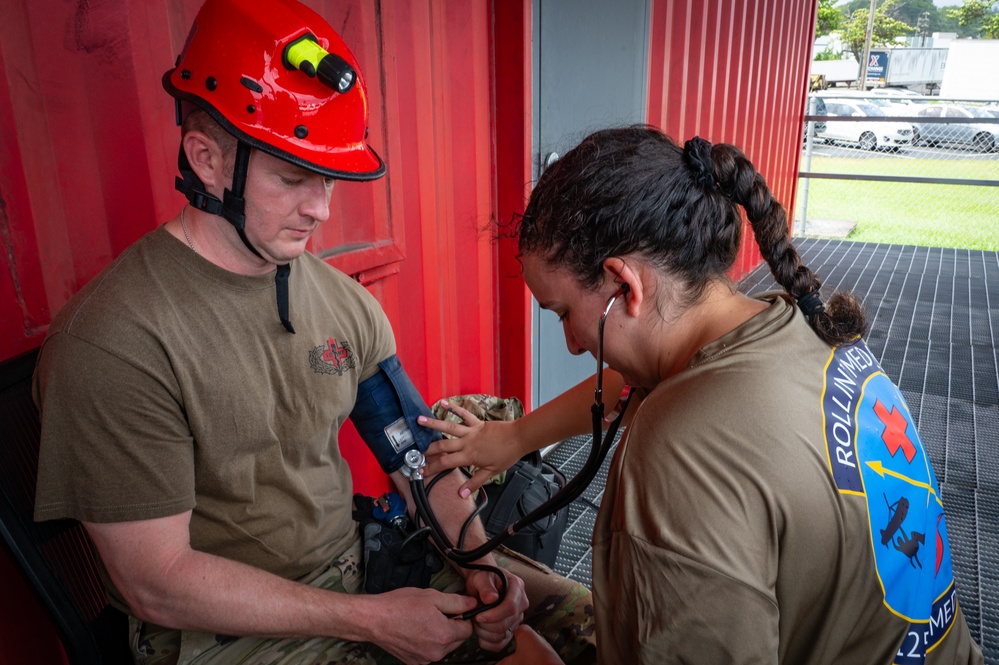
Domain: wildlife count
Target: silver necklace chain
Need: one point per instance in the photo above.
(186, 234)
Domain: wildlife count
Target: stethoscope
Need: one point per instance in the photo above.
(600, 446)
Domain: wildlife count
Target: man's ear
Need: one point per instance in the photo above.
(620, 272)
(206, 159)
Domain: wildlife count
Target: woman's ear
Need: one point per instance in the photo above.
(620, 272)
(206, 159)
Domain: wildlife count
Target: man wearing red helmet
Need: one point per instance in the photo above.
(194, 433)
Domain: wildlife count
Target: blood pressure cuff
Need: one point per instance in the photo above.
(385, 414)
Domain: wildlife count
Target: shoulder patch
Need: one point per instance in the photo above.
(875, 452)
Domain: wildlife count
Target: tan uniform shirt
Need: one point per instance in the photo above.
(168, 384)
(737, 521)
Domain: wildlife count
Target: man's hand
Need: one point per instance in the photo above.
(495, 627)
(415, 627)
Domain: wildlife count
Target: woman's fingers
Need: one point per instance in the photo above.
(477, 480)
(443, 426)
(437, 463)
(475, 443)
(445, 447)
(467, 417)
(468, 424)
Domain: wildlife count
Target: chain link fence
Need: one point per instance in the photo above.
(908, 170)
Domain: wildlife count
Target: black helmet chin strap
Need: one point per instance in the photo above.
(231, 208)
(281, 282)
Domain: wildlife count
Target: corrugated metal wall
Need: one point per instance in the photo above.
(88, 154)
(512, 104)
(735, 71)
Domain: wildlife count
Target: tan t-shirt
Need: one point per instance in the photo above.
(736, 525)
(168, 384)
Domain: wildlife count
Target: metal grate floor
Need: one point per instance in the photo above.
(935, 329)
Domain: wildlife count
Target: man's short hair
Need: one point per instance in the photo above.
(199, 120)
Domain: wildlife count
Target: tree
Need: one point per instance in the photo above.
(828, 53)
(944, 22)
(886, 28)
(829, 18)
(909, 12)
(854, 5)
(980, 14)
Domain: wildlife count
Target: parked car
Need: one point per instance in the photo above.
(889, 105)
(895, 93)
(815, 105)
(983, 137)
(892, 108)
(886, 134)
(904, 102)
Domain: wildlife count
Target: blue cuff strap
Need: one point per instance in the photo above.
(385, 414)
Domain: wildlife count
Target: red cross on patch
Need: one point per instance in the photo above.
(894, 434)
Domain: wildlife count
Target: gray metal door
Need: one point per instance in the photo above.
(590, 72)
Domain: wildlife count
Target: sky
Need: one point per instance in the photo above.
(946, 3)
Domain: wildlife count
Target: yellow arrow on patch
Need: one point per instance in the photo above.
(881, 471)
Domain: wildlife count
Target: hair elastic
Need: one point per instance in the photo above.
(811, 303)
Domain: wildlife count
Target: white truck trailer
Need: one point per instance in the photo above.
(971, 71)
(837, 71)
(920, 69)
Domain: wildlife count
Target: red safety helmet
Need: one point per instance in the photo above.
(277, 77)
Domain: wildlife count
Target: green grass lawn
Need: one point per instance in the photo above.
(958, 216)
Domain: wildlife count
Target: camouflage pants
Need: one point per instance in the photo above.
(561, 610)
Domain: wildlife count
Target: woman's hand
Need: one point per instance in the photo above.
(492, 447)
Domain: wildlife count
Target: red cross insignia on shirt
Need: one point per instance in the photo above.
(334, 352)
(894, 434)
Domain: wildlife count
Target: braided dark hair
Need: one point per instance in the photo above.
(634, 190)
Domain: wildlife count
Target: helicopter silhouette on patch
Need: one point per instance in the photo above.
(905, 543)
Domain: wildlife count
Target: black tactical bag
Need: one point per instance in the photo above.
(528, 484)
(393, 556)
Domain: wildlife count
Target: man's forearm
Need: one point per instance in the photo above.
(212, 594)
(451, 510)
(167, 583)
